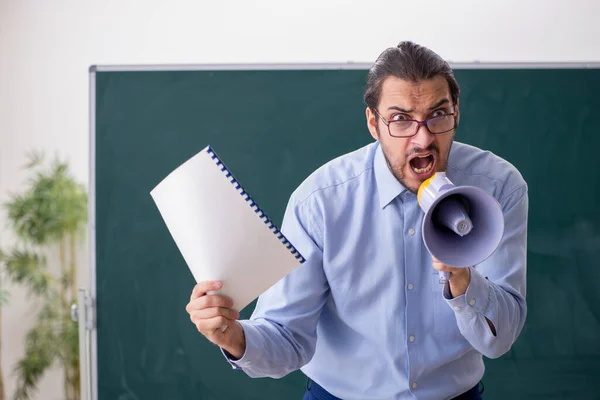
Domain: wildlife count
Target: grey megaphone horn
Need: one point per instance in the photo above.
(462, 226)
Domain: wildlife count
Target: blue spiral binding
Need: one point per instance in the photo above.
(261, 214)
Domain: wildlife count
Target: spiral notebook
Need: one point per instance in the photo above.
(220, 231)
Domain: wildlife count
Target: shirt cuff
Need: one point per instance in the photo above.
(474, 300)
(253, 344)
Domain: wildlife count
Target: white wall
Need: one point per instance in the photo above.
(46, 48)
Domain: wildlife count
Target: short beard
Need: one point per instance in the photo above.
(398, 170)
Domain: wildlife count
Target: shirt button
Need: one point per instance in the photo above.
(414, 385)
(472, 301)
(411, 231)
(410, 286)
(457, 308)
(411, 339)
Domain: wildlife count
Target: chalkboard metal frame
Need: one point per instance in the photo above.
(90, 382)
(316, 66)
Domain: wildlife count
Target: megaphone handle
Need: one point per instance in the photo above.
(444, 276)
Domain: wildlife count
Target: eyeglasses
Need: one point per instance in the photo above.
(409, 127)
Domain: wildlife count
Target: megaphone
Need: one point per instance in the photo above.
(462, 226)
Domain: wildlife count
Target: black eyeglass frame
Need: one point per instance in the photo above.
(419, 124)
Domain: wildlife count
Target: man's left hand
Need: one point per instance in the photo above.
(459, 277)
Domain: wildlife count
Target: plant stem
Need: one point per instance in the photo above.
(75, 378)
(73, 267)
(66, 383)
(63, 310)
(63, 272)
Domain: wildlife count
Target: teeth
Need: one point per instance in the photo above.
(423, 170)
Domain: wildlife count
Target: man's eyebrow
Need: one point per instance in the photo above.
(400, 109)
(433, 107)
(439, 103)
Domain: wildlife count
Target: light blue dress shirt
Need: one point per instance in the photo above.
(366, 316)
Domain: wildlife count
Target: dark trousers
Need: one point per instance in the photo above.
(316, 392)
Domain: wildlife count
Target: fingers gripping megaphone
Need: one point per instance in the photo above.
(462, 226)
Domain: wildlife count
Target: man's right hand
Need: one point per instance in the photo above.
(215, 319)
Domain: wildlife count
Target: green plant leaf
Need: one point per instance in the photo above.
(29, 268)
(52, 206)
(40, 354)
(35, 158)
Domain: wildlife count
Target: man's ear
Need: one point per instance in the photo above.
(457, 113)
(372, 122)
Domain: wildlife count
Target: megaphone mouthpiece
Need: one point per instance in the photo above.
(464, 227)
(452, 213)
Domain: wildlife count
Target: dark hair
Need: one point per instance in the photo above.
(408, 61)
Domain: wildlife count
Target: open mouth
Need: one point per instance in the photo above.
(422, 165)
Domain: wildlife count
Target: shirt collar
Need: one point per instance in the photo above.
(388, 187)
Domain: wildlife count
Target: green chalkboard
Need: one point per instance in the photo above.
(273, 127)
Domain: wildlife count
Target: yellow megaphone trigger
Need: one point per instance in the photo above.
(423, 186)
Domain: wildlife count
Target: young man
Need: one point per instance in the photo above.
(366, 317)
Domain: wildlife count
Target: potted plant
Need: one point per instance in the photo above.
(48, 217)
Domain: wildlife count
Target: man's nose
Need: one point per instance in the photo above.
(423, 138)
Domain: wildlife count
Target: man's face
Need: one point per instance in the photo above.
(414, 159)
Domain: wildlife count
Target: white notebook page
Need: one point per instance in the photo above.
(219, 234)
